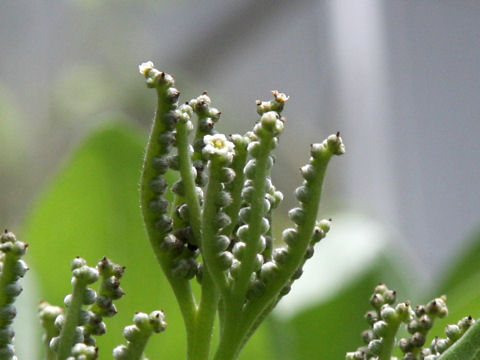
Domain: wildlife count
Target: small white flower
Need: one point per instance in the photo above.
(280, 97)
(218, 145)
(145, 67)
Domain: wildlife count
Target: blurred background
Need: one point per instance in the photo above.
(399, 79)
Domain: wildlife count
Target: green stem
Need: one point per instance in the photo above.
(137, 347)
(465, 348)
(181, 287)
(236, 186)
(255, 217)
(67, 335)
(209, 227)
(199, 346)
(188, 180)
(255, 308)
(388, 340)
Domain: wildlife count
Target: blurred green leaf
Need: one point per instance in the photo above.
(91, 209)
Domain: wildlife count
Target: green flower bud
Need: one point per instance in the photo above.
(264, 226)
(67, 300)
(418, 340)
(244, 213)
(425, 323)
(225, 260)
(163, 223)
(285, 290)
(268, 271)
(377, 300)
(441, 345)
(297, 215)
(170, 119)
(214, 113)
(453, 332)
(206, 125)
(222, 220)
(297, 274)
(308, 172)
(367, 336)
(227, 175)
(6, 335)
(256, 289)
(158, 185)
(238, 250)
(254, 149)
(158, 205)
(235, 268)
(248, 194)
(131, 332)
(157, 321)
(141, 320)
(171, 244)
(184, 268)
(437, 307)
(59, 322)
(405, 345)
(250, 169)
(12, 290)
(290, 236)
(403, 310)
(466, 323)
(221, 243)
(371, 317)
(309, 252)
(271, 122)
(409, 356)
(83, 317)
(223, 199)
(242, 232)
(302, 193)
(166, 140)
(77, 263)
(120, 352)
(375, 346)
(335, 144)
(172, 95)
(89, 296)
(19, 268)
(280, 255)
(258, 262)
(161, 164)
(87, 274)
(388, 313)
(380, 328)
(178, 188)
(54, 343)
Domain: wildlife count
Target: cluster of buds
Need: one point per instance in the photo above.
(137, 335)
(12, 268)
(219, 227)
(70, 333)
(386, 318)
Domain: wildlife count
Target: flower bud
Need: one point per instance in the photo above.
(290, 236)
(280, 255)
(161, 164)
(86, 273)
(14, 289)
(388, 313)
(158, 185)
(250, 169)
(418, 340)
(371, 317)
(184, 268)
(297, 215)
(170, 119)
(258, 262)
(375, 346)
(157, 321)
(158, 205)
(465, 323)
(163, 223)
(235, 268)
(59, 322)
(254, 149)
(223, 199)
(335, 144)
(178, 188)
(268, 271)
(308, 172)
(120, 352)
(89, 296)
(256, 289)
(225, 260)
(222, 220)
(77, 263)
(242, 232)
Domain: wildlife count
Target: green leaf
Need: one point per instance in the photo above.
(91, 209)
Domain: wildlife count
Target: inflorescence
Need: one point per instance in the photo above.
(218, 229)
(385, 320)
